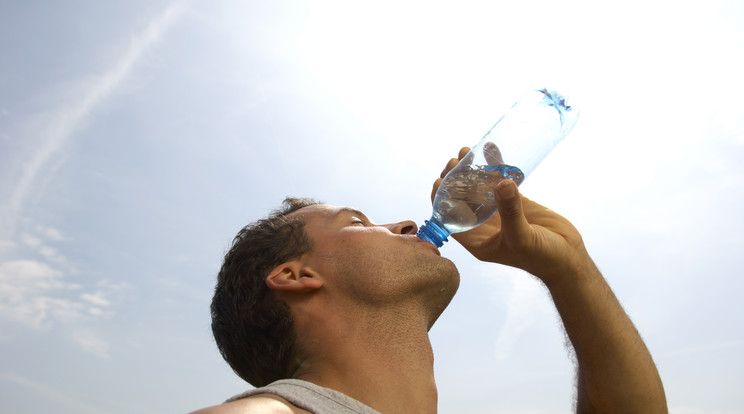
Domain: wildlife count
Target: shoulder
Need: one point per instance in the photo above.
(255, 404)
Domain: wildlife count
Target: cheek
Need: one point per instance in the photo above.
(368, 275)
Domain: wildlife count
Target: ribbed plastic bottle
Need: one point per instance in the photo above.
(511, 149)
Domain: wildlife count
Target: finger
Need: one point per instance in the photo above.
(493, 154)
(464, 151)
(435, 188)
(514, 226)
(450, 165)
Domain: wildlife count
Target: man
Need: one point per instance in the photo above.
(338, 310)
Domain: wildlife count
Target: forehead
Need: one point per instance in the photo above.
(325, 212)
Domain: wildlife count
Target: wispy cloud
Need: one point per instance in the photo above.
(37, 293)
(65, 120)
(51, 393)
(710, 347)
(96, 298)
(30, 294)
(526, 304)
(51, 233)
(35, 289)
(92, 343)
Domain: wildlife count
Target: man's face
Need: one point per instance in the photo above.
(376, 264)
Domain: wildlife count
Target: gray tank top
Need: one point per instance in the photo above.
(311, 397)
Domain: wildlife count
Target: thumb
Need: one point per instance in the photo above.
(514, 226)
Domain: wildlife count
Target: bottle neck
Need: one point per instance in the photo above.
(434, 232)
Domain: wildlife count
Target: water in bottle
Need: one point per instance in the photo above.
(511, 149)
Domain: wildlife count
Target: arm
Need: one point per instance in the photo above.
(615, 370)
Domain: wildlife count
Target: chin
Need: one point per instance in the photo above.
(446, 291)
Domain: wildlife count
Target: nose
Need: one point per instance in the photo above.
(403, 227)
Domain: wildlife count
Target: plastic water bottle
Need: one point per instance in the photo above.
(511, 149)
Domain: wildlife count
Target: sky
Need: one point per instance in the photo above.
(137, 137)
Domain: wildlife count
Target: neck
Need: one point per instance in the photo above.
(382, 362)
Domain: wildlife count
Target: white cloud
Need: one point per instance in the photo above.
(30, 272)
(30, 240)
(526, 304)
(49, 392)
(92, 343)
(110, 286)
(96, 299)
(58, 309)
(60, 123)
(7, 245)
(51, 234)
(49, 252)
(34, 294)
(24, 285)
(52, 255)
(36, 241)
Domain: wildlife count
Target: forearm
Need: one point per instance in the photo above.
(615, 370)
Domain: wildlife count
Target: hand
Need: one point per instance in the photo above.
(615, 370)
(524, 234)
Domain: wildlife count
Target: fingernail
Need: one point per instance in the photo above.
(507, 189)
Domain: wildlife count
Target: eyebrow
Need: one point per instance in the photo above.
(350, 210)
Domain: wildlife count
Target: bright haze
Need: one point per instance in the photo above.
(137, 137)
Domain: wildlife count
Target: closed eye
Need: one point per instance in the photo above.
(353, 217)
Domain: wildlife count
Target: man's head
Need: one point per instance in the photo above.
(319, 261)
(253, 329)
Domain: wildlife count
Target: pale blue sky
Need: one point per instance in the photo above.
(137, 137)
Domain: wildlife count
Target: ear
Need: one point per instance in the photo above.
(293, 276)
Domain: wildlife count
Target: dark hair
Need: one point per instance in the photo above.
(253, 329)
